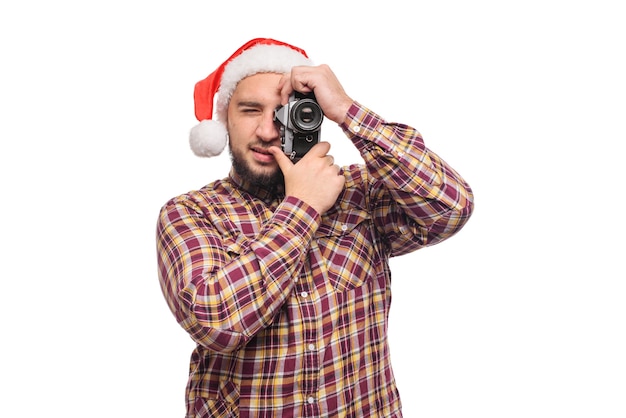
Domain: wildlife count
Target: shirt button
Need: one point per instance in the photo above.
(311, 399)
(357, 128)
(304, 294)
(344, 227)
(312, 347)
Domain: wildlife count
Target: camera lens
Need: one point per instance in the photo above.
(306, 115)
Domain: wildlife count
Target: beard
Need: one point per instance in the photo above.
(265, 179)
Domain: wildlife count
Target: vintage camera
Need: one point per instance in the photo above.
(300, 124)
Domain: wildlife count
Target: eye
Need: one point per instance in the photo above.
(249, 110)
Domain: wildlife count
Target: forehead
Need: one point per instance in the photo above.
(258, 85)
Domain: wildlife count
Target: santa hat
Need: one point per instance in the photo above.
(260, 55)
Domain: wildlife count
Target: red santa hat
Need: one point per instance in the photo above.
(260, 55)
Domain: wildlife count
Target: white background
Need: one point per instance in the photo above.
(521, 314)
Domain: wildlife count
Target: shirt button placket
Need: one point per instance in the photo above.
(310, 373)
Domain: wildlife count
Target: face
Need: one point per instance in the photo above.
(252, 130)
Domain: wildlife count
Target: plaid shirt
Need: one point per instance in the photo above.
(289, 308)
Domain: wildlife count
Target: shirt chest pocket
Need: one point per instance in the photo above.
(347, 249)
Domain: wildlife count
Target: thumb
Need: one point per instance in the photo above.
(283, 161)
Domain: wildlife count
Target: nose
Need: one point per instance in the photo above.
(267, 129)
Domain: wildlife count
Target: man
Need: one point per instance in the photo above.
(279, 272)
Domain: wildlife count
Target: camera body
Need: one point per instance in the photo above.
(300, 124)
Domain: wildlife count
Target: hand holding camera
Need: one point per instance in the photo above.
(316, 179)
(310, 94)
(320, 80)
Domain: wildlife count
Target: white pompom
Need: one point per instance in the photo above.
(208, 138)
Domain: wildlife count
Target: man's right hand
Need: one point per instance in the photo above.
(315, 179)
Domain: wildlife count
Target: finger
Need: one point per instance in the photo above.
(320, 149)
(283, 161)
(301, 78)
(285, 88)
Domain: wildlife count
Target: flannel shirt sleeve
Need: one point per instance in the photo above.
(417, 199)
(222, 300)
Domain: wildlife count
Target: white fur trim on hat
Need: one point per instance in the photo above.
(259, 59)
